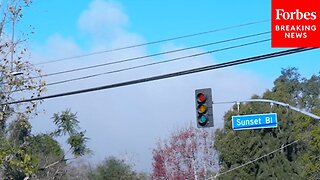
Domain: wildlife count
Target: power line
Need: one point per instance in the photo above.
(153, 42)
(252, 161)
(152, 55)
(155, 63)
(170, 75)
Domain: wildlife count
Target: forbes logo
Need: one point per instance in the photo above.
(281, 14)
(295, 23)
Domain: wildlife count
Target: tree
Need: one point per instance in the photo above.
(46, 150)
(23, 154)
(114, 169)
(53, 160)
(40, 156)
(309, 129)
(187, 154)
(79, 169)
(297, 161)
(14, 124)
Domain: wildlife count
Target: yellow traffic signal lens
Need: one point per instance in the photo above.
(202, 109)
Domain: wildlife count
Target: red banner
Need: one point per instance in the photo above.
(295, 23)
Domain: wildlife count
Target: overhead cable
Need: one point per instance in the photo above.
(155, 63)
(153, 42)
(148, 56)
(170, 75)
(256, 159)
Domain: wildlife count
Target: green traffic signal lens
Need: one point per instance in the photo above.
(203, 120)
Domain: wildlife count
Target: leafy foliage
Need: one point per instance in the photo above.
(298, 161)
(46, 151)
(77, 142)
(23, 154)
(16, 161)
(67, 124)
(114, 169)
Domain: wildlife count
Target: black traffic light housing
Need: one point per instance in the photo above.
(204, 110)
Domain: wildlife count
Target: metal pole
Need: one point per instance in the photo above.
(274, 102)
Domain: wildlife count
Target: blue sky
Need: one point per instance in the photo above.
(154, 20)
(67, 28)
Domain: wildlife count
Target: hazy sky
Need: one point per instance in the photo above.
(128, 121)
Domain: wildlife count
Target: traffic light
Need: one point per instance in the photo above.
(204, 110)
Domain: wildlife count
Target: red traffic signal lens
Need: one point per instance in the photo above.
(201, 98)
